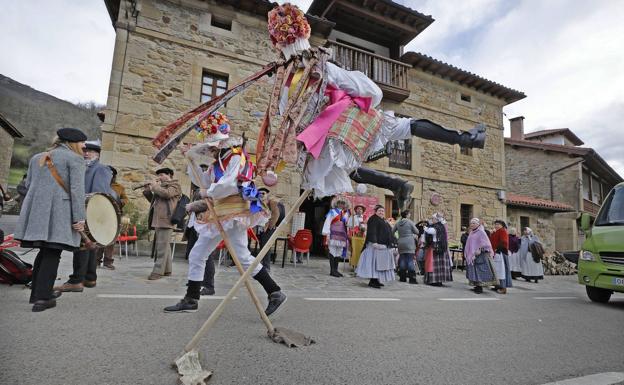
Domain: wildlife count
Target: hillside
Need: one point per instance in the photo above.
(38, 115)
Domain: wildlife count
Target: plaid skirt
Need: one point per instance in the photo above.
(440, 270)
(481, 274)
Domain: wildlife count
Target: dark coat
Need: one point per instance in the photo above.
(48, 212)
(378, 231)
(98, 178)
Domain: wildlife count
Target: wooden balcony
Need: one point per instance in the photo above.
(390, 75)
(590, 207)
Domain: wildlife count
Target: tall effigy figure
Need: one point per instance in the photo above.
(327, 121)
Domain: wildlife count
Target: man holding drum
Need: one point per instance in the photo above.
(53, 212)
(97, 180)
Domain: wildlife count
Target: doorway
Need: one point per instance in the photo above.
(315, 211)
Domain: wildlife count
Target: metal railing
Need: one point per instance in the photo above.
(401, 156)
(380, 69)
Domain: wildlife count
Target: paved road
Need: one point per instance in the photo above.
(538, 333)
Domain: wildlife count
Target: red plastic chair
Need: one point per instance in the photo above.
(301, 243)
(124, 237)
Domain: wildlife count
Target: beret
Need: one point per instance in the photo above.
(93, 146)
(71, 134)
(164, 170)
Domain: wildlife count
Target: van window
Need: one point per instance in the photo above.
(612, 211)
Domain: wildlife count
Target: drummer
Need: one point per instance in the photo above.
(53, 211)
(98, 179)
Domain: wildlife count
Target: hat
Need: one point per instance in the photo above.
(362, 206)
(114, 170)
(289, 29)
(213, 129)
(164, 170)
(93, 145)
(71, 135)
(264, 190)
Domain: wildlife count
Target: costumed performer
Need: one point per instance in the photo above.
(333, 113)
(228, 182)
(478, 254)
(335, 229)
(437, 261)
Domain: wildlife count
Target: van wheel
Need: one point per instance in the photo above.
(598, 295)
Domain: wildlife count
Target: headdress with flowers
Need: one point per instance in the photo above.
(211, 125)
(287, 23)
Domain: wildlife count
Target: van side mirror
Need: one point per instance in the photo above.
(585, 222)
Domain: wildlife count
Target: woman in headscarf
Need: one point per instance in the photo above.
(437, 261)
(500, 243)
(377, 261)
(531, 270)
(514, 256)
(478, 254)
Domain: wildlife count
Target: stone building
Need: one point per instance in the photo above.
(7, 137)
(171, 55)
(559, 178)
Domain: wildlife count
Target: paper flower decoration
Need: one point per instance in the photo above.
(211, 124)
(287, 23)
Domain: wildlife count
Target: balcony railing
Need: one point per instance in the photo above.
(390, 75)
(590, 207)
(401, 156)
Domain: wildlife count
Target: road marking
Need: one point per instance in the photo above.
(353, 299)
(468, 299)
(555, 297)
(154, 296)
(606, 378)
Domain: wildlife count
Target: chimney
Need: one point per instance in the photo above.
(517, 128)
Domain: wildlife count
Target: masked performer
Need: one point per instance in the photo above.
(335, 228)
(330, 123)
(228, 183)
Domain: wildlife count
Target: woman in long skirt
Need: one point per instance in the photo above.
(531, 270)
(478, 254)
(514, 256)
(500, 243)
(377, 260)
(437, 261)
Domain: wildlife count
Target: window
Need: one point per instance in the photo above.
(401, 156)
(595, 191)
(220, 22)
(465, 212)
(524, 222)
(212, 85)
(465, 98)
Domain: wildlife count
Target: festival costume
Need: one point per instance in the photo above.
(500, 244)
(514, 256)
(335, 228)
(437, 261)
(329, 123)
(228, 183)
(531, 270)
(479, 264)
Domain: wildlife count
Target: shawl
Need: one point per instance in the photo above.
(378, 231)
(500, 239)
(477, 240)
(514, 244)
(525, 241)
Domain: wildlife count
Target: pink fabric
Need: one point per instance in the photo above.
(429, 260)
(477, 239)
(313, 137)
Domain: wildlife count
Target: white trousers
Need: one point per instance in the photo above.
(208, 241)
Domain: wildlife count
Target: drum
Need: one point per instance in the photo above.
(103, 219)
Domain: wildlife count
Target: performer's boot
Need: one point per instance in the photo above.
(332, 266)
(401, 189)
(402, 275)
(276, 297)
(426, 129)
(189, 303)
(337, 266)
(412, 277)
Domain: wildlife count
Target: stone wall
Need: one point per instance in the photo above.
(6, 144)
(541, 222)
(528, 173)
(156, 76)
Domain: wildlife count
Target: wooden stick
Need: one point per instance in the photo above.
(217, 312)
(231, 250)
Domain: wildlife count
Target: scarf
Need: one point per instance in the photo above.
(477, 240)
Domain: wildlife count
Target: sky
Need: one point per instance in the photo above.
(567, 56)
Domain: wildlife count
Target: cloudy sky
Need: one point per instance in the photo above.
(566, 55)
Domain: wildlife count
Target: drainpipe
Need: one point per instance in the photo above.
(552, 194)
